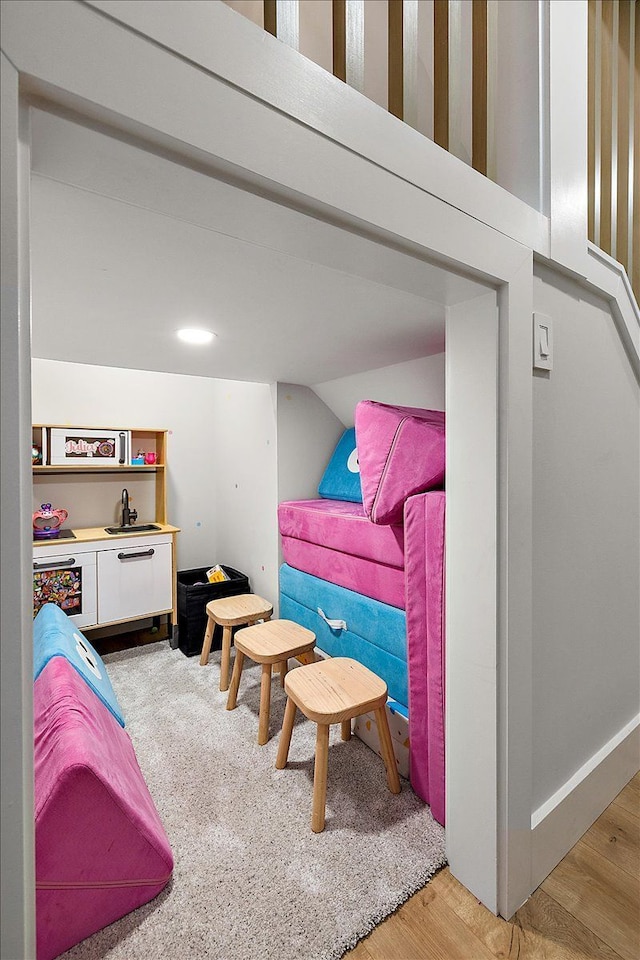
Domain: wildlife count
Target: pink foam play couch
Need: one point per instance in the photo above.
(101, 850)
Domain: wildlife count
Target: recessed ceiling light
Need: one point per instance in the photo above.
(195, 335)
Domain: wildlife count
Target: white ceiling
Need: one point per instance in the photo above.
(128, 246)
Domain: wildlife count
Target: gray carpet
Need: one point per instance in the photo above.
(251, 881)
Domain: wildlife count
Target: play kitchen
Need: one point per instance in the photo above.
(103, 550)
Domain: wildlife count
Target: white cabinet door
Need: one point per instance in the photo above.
(134, 581)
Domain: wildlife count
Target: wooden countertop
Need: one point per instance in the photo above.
(87, 534)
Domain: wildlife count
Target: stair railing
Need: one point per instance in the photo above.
(441, 66)
(613, 151)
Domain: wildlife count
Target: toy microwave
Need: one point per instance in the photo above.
(75, 446)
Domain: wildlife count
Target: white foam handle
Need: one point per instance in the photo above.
(333, 624)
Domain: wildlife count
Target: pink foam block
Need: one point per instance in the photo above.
(101, 850)
(375, 580)
(401, 451)
(342, 526)
(335, 540)
(424, 581)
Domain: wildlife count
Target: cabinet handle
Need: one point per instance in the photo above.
(54, 566)
(132, 556)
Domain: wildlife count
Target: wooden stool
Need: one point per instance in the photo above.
(335, 691)
(230, 612)
(268, 643)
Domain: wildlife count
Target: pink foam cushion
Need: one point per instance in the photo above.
(342, 526)
(371, 579)
(401, 452)
(424, 584)
(101, 849)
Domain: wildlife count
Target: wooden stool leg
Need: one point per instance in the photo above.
(285, 736)
(346, 729)
(265, 704)
(206, 644)
(320, 778)
(235, 680)
(386, 749)
(284, 667)
(225, 658)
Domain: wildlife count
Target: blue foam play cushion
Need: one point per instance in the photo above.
(348, 624)
(400, 708)
(54, 635)
(341, 479)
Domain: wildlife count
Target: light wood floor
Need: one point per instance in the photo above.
(589, 907)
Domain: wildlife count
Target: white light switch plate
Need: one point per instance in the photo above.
(542, 342)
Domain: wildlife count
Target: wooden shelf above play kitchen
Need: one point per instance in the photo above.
(123, 468)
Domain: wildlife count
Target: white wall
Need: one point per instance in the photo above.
(307, 435)
(244, 475)
(221, 476)
(586, 543)
(417, 383)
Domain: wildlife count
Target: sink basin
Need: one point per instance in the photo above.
(133, 528)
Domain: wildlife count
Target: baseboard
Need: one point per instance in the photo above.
(562, 819)
(366, 729)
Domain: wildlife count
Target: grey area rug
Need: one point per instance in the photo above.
(251, 881)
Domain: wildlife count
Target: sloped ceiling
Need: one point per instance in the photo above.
(128, 246)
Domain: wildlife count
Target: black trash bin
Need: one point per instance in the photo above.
(194, 593)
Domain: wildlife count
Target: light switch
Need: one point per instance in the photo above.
(542, 342)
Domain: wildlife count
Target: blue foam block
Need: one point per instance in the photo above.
(371, 632)
(400, 708)
(341, 479)
(55, 635)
